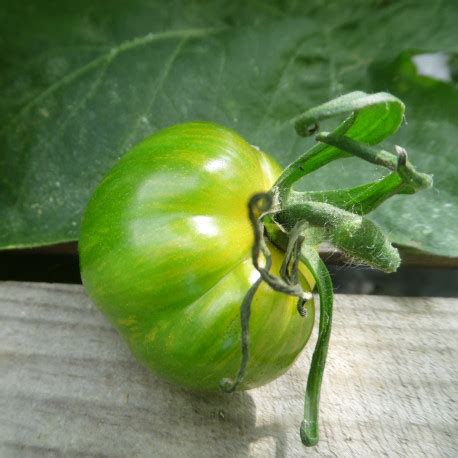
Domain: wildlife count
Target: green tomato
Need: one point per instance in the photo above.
(165, 250)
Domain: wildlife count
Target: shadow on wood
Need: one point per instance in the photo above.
(70, 387)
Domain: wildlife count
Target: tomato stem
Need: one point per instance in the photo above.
(227, 384)
(371, 119)
(298, 221)
(309, 426)
(337, 215)
(355, 235)
(288, 283)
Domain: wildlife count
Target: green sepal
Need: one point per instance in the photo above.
(372, 118)
(357, 236)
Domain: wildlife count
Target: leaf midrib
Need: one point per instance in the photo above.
(108, 57)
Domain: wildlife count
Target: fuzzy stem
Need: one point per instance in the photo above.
(334, 215)
(359, 200)
(257, 205)
(355, 235)
(361, 150)
(227, 384)
(316, 157)
(371, 118)
(309, 427)
(413, 181)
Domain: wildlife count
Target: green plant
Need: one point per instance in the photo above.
(168, 254)
(79, 90)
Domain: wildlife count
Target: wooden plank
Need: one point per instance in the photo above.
(70, 387)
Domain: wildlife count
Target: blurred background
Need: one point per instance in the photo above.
(82, 82)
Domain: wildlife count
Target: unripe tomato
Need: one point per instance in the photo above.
(165, 250)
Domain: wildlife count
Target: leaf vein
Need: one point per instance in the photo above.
(109, 56)
(157, 85)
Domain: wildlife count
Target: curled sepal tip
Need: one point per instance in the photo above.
(370, 118)
(227, 385)
(309, 426)
(365, 109)
(309, 433)
(287, 283)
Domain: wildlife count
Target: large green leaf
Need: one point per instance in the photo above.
(81, 82)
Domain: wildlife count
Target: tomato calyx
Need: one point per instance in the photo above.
(298, 222)
(287, 283)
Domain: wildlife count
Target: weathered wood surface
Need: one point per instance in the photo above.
(69, 387)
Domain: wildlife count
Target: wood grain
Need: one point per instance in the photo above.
(69, 387)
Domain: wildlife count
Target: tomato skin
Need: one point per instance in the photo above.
(165, 253)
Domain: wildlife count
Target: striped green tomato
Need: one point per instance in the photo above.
(165, 254)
